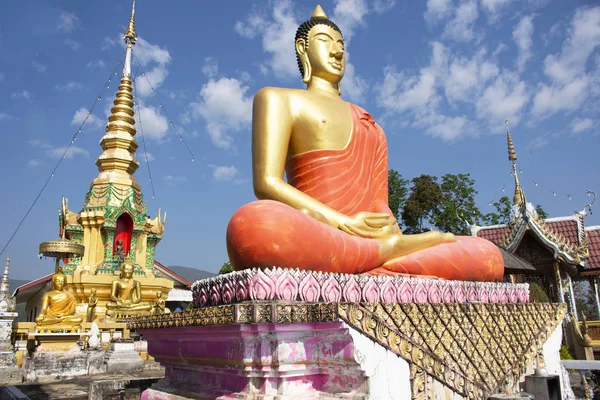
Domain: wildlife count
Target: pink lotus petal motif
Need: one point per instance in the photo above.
(370, 291)
(241, 288)
(331, 290)
(227, 291)
(404, 293)
(388, 291)
(309, 288)
(446, 293)
(460, 296)
(286, 286)
(214, 295)
(263, 287)
(433, 292)
(420, 293)
(493, 298)
(471, 292)
(351, 291)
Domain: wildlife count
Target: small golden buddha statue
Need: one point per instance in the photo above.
(58, 305)
(332, 213)
(159, 304)
(92, 303)
(126, 294)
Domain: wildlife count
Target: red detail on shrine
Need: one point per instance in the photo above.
(123, 232)
(594, 249)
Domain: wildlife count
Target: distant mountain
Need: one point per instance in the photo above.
(191, 274)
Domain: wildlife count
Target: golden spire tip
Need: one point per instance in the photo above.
(130, 34)
(318, 13)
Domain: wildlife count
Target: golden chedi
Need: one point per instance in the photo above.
(332, 213)
(126, 295)
(58, 305)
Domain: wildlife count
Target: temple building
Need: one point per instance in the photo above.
(114, 275)
(560, 249)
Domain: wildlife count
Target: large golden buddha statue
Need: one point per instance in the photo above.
(126, 294)
(332, 214)
(58, 305)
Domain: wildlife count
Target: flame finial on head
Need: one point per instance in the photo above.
(318, 13)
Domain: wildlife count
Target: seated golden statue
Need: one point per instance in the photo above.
(58, 305)
(332, 214)
(159, 305)
(126, 294)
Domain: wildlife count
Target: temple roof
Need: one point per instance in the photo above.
(593, 233)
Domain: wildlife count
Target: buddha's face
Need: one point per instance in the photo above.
(59, 282)
(325, 53)
(127, 270)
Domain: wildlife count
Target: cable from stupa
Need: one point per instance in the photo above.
(117, 163)
(519, 197)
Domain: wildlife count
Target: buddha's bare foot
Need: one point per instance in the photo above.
(401, 245)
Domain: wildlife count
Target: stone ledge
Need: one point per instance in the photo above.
(309, 286)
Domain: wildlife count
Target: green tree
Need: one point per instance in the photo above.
(541, 212)
(425, 196)
(397, 192)
(226, 268)
(457, 206)
(585, 300)
(502, 214)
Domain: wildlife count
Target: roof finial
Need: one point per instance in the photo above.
(318, 13)
(130, 35)
(519, 197)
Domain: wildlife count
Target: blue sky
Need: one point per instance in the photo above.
(440, 76)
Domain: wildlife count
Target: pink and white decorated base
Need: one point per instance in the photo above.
(257, 361)
(309, 286)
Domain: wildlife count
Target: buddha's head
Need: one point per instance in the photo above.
(320, 49)
(127, 270)
(59, 280)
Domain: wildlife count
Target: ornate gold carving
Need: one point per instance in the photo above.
(470, 348)
(61, 248)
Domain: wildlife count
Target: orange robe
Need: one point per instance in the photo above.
(267, 233)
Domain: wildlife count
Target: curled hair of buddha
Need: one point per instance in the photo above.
(304, 29)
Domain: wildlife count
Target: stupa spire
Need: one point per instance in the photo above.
(519, 197)
(117, 163)
(130, 38)
(4, 286)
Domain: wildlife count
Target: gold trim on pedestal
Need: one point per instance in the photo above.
(61, 248)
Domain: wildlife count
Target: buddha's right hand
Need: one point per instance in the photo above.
(370, 225)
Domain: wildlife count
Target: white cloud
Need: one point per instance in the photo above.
(460, 28)
(224, 107)
(353, 86)
(277, 35)
(5, 116)
(69, 87)
(522, 34)
(584, 38)
(493, 7)
(73, 151)
(224, 173)
(92, 122)
(39, 67)
(210, 67)
(67, 22)
(96, 63)
(550, 99)
(34, 163)
(152, 79)
(2, 76)
(22, 95)
(504, 99)
(155, 125)
(437, 10)
(579, 125)
(571, 83)
(172, 180)
(108, 43)
(149, 156)
(151, 54)
(74, 45)
(538, 142)
(349, 15)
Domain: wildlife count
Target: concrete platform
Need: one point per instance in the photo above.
(107, 387)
